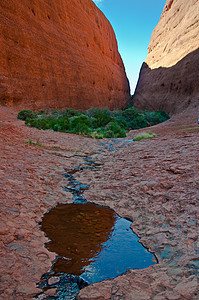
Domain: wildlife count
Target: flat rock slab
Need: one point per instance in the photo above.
(154, 182)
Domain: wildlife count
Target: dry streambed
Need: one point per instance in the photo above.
(92, 243)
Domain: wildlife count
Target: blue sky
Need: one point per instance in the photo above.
(133, 22)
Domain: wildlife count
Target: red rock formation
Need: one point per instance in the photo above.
(59, 54)
(170, 75)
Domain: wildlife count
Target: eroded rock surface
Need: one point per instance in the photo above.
(59, 54)
(169, 76)
(155, 183)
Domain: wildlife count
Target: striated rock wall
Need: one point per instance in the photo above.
(170, 75)
(59, 53)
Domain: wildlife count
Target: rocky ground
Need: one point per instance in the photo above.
(154, 182)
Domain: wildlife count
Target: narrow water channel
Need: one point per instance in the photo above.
(92, 243)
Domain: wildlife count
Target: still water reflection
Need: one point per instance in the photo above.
(93, 242)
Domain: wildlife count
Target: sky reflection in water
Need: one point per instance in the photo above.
(93, 242)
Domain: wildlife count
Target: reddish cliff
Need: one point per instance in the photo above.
(59, 53)
(170, 75)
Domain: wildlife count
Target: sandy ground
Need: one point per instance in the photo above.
(155, 183)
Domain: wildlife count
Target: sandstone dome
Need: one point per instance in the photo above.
(57, 54)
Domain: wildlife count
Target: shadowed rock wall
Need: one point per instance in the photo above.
(169, 77)
(59, 54)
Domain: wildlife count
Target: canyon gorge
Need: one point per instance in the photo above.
(56, 54)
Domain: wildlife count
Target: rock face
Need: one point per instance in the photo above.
(170, 75)
(59, 54)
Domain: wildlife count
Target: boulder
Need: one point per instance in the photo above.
(57, 54)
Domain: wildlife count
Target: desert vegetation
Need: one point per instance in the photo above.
(94, 122)
(144, 135)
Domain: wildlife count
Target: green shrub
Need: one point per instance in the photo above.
(26, 114)
(41, 112)
(95, 122)
(52, 123)
(99, 133)
(30, 142)
(122, 123)
(70, 112)
(38, 123)
(101, 120)
(60, 124)
(31, 123)
(56, 113)
(155, 117)
(164, 115)
(130, 113)
(96, 110)
(144, 135)
(134, 119)
(113, 130)
(80, 124)
(82, 129)
(116, 113)
(137, 122)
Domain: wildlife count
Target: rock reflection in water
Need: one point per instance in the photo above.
(77, 233)
(93, 242)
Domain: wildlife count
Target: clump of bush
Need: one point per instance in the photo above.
(144, 135)
(94, 122)
(26, 114)
(154, 117)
